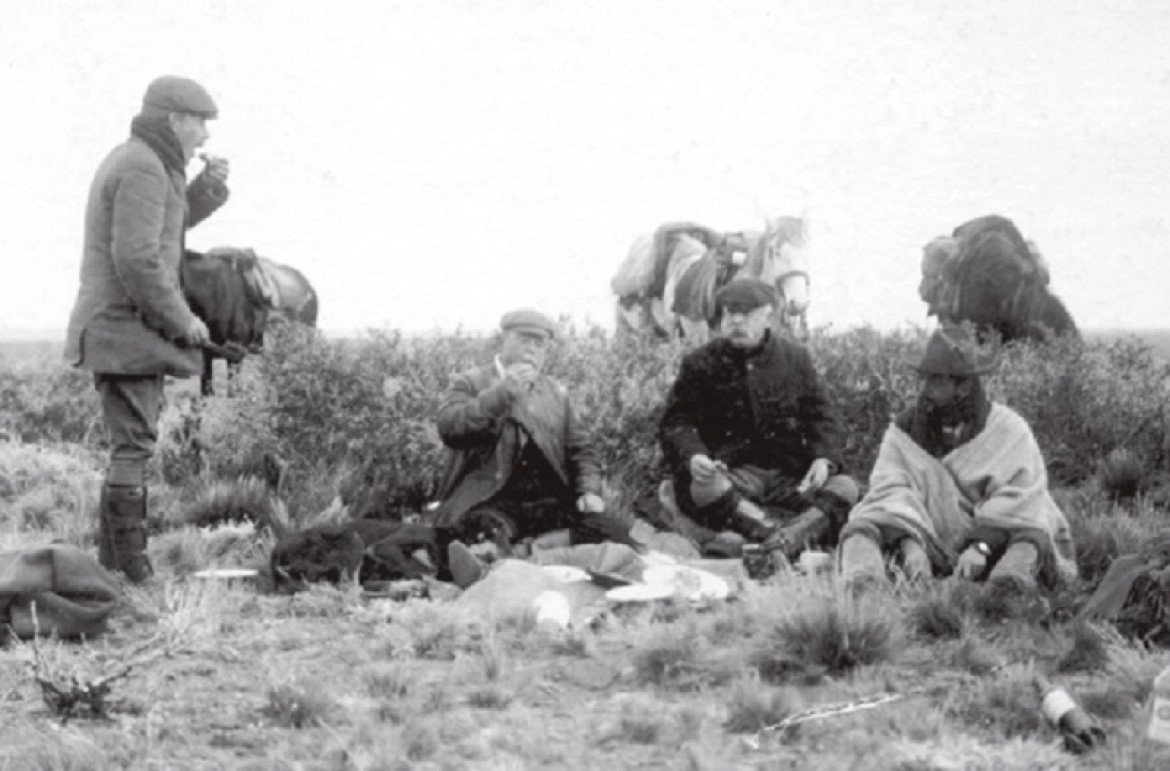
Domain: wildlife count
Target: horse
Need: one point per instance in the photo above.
(698, 262)
(987, 273)
(238, 294)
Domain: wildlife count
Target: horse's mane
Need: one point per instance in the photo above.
(777, 232)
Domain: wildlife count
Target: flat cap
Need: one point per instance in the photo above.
(746, 293)
(526, 318)
(172, 93)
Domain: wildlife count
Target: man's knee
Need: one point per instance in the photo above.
(843, 487)
(709, 493)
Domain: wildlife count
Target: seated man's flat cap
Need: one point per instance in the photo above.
(746, 293)
(172, 93)
(526, 318)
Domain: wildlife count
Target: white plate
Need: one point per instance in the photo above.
(689, 583)
(566, 573)
(227, 574)
(640, 593)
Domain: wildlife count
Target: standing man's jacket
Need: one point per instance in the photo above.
(130, 306)
(762, 408)
(485, 434)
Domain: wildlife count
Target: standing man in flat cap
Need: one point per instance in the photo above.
(751, 440)
(959, 485)
(521, 464)
(130, 325)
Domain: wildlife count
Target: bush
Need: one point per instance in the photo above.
(320, 418)
(47, 403)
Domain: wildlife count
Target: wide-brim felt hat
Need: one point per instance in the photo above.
(952, 351)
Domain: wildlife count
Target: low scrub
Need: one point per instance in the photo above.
(318, 418)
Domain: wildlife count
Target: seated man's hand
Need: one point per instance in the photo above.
(519, 378)
(818, 474)
(971, 564)
(703, 469)
(591, 503)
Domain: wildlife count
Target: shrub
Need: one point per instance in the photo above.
(838, 634)
(319, 418)
(45, 402)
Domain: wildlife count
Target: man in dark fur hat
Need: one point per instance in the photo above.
(130, 325)
(959, 484)
(751, 439)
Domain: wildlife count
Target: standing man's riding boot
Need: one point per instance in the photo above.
(122, 535)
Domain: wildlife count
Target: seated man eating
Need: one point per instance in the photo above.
(959, 485)
(750, 437)
(521, 464)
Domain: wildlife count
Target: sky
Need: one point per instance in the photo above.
(430, 165)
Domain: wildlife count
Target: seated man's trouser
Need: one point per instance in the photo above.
(713, 505)
(507, 521)
(866, 544)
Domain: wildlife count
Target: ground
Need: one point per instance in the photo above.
(330, 679)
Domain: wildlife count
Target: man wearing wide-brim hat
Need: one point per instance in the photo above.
(131, 325)
(959, 485)
(751, 437)
(521, 463)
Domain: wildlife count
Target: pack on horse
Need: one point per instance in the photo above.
(987, 273)
(238, 294)
(667, 285)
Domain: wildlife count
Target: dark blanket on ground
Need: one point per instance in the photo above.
(371, 549)
(55, 589)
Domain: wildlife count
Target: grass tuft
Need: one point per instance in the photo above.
(1121, 474)
(296, 706)
(838, 635)
(937, 617)
(754, 708)
(1088, 652)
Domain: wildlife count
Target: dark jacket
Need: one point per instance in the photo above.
(484, 430)
(762, 408)
(130, 306)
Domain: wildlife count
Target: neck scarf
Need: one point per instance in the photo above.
(156, 132)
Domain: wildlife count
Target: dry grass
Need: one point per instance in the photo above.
(223, 677)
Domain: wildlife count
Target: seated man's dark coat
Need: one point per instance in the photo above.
(760, 407)
(490, 436)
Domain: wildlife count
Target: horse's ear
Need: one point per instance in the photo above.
(806, 209)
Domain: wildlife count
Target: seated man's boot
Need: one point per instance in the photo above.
(915, 563)
(1017, 568)
(808, 530)
(465, 567)
(862, 564)
(122, 532)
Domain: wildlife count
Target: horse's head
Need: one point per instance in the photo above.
(781, 257)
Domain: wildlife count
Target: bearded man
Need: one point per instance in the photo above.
(130, 325)
(751, 438)
(959, 485)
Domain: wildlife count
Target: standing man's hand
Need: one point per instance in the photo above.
(818, 474)
(971, 565)
(196, 334)
(216, 168)
(703, 469)
(591, 503)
